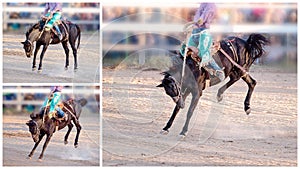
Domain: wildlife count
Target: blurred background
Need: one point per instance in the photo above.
(27, 99)
(128, 28)
(17, 16)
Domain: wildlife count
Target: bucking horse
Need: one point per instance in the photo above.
(41, 124)
(234, 54)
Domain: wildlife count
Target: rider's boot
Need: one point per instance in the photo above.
(219, 71)
(61, 114)
(58, 32)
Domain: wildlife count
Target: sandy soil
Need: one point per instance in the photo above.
(17, 67)
(17, 143)
(220, 134)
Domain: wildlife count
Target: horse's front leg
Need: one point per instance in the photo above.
(41, 57)
(35, 146)
(194, 102)
(45, 145)
(78, 127)
(34, 56)
(251, 84)
(165, 130)
(66, 48)
(70, 126)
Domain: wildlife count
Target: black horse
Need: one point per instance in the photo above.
(41, 125)
(196, 77)
(70, 33)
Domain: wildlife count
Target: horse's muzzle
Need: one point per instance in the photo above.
(28, 55)
(35, 138)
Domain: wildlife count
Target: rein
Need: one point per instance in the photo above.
(70, 111)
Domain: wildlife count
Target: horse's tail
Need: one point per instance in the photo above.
(255, 45)
(78, 35)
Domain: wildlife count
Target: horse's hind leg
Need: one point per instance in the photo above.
(251, 84)
(78, 127)
(35, 146)
(70, 126)
(165, 130)
(66, 48)
(74, 49)
(233, 79)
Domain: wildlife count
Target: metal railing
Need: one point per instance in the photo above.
(38, 10)
(20, 91)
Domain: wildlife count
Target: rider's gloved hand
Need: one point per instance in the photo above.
(200, 22)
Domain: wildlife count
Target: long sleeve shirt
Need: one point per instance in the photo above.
(205, 14)
(53, 7)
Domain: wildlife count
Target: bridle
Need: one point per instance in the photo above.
(178, 89)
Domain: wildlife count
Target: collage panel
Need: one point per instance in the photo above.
(39, 48)
(51, 83)
(192, 83)
(65, 119)
(173, 83)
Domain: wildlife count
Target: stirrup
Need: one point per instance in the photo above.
(220, 74)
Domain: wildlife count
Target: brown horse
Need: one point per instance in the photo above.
(41, 125)
(196, 77)
(70, 32)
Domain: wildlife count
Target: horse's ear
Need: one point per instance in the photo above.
(28, 123)
(161, 85)
(23, 43)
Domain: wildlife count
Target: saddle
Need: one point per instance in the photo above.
(62, 26)
(55, 114)
(211, 77)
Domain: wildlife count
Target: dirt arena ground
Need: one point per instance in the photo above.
(220, 134)
(17, 143)
(17, 67)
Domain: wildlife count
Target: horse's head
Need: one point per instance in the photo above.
(34, 130)
(172, 88)
(28, 47)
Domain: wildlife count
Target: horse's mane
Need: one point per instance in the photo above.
(35, 26)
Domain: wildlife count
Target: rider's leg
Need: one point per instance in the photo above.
(58, 32)
(54, 101)
(205, 42)
(56, 16)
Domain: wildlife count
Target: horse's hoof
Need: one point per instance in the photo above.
(66, 68)
(220, 98)
(181, 136)
(65, 142)
(75, 69)
(164, 132)
(248, 111)
(33, 69)
(40, 159)
(75, 145)
(28, 157)
(40, 71)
